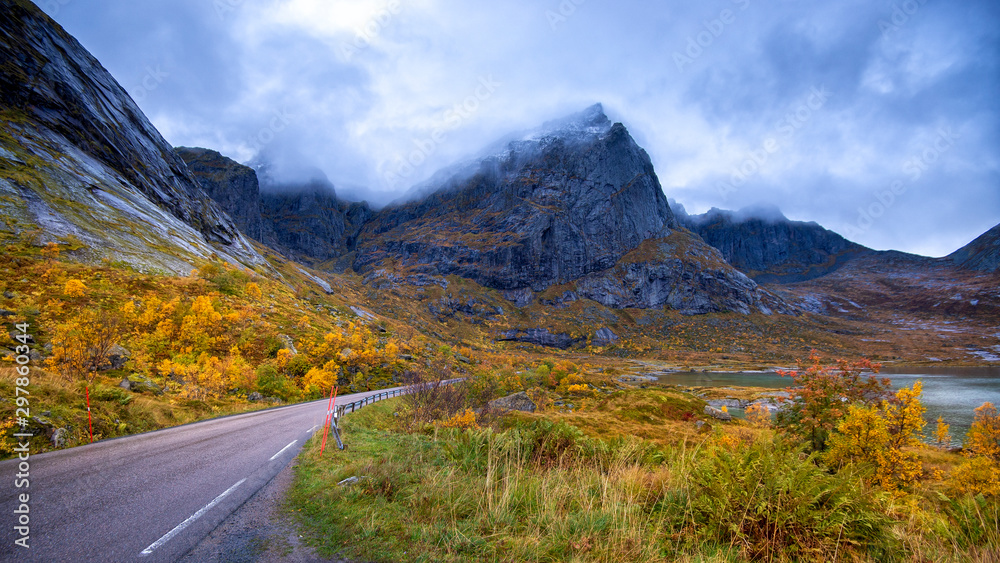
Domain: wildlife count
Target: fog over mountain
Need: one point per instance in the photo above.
(876, 120)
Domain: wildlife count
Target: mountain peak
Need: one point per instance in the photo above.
(591, 121)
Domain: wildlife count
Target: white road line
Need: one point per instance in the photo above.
(313, 428)
(282, 450)
(180, 527)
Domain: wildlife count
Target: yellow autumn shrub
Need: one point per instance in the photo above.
(882, 436)
(983, 438)
(465, 419)
(75, 288)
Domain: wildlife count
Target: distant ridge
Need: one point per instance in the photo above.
(982, 254)
(762, 243)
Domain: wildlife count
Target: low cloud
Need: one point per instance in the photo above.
(354, 88)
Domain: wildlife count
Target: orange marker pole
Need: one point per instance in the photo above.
(329, 415)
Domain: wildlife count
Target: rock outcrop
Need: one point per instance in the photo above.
(304, 221)
(517, 402)
(232, 185)
(311, 222)
(539, 337)
(604, 337)
(683, 273)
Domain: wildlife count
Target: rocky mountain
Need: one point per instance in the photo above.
(574, 204)
(78, 158)
(307, 218)
(762, 243)
(302, 220)
(982, 254)
(570, 199)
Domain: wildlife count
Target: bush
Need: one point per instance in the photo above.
(977, 476)
(983, 438)
(882, 437)
(822, 394)
(273, 384)
(768, 502)
(432, 400)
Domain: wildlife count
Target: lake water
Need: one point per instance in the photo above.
(949, 392)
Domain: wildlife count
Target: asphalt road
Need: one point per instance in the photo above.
(151, 497)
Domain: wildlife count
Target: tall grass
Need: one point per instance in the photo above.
(542, 491)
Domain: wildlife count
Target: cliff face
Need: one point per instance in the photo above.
(577, 204)
(680, 272)
(769, 248)
(311, 222)
(78, 157)
(557, 205)
(982, 254)
(305, 221)
(233, 186)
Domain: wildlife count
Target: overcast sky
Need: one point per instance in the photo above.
(877, 119)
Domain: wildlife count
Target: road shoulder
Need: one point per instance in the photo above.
(259, 531)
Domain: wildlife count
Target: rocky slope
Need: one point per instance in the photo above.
(78, 157)
(765, 245)
(982, 254)
(683, 274)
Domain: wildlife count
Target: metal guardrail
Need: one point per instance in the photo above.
(341, 410)
(353, 406)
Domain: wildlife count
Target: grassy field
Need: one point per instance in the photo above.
(544, 488)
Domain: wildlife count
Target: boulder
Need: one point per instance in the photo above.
(254, 397)
(717, 413)
(728, 403)
(516, 402)
(117, 356)
(58, 438)
(139, 384)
